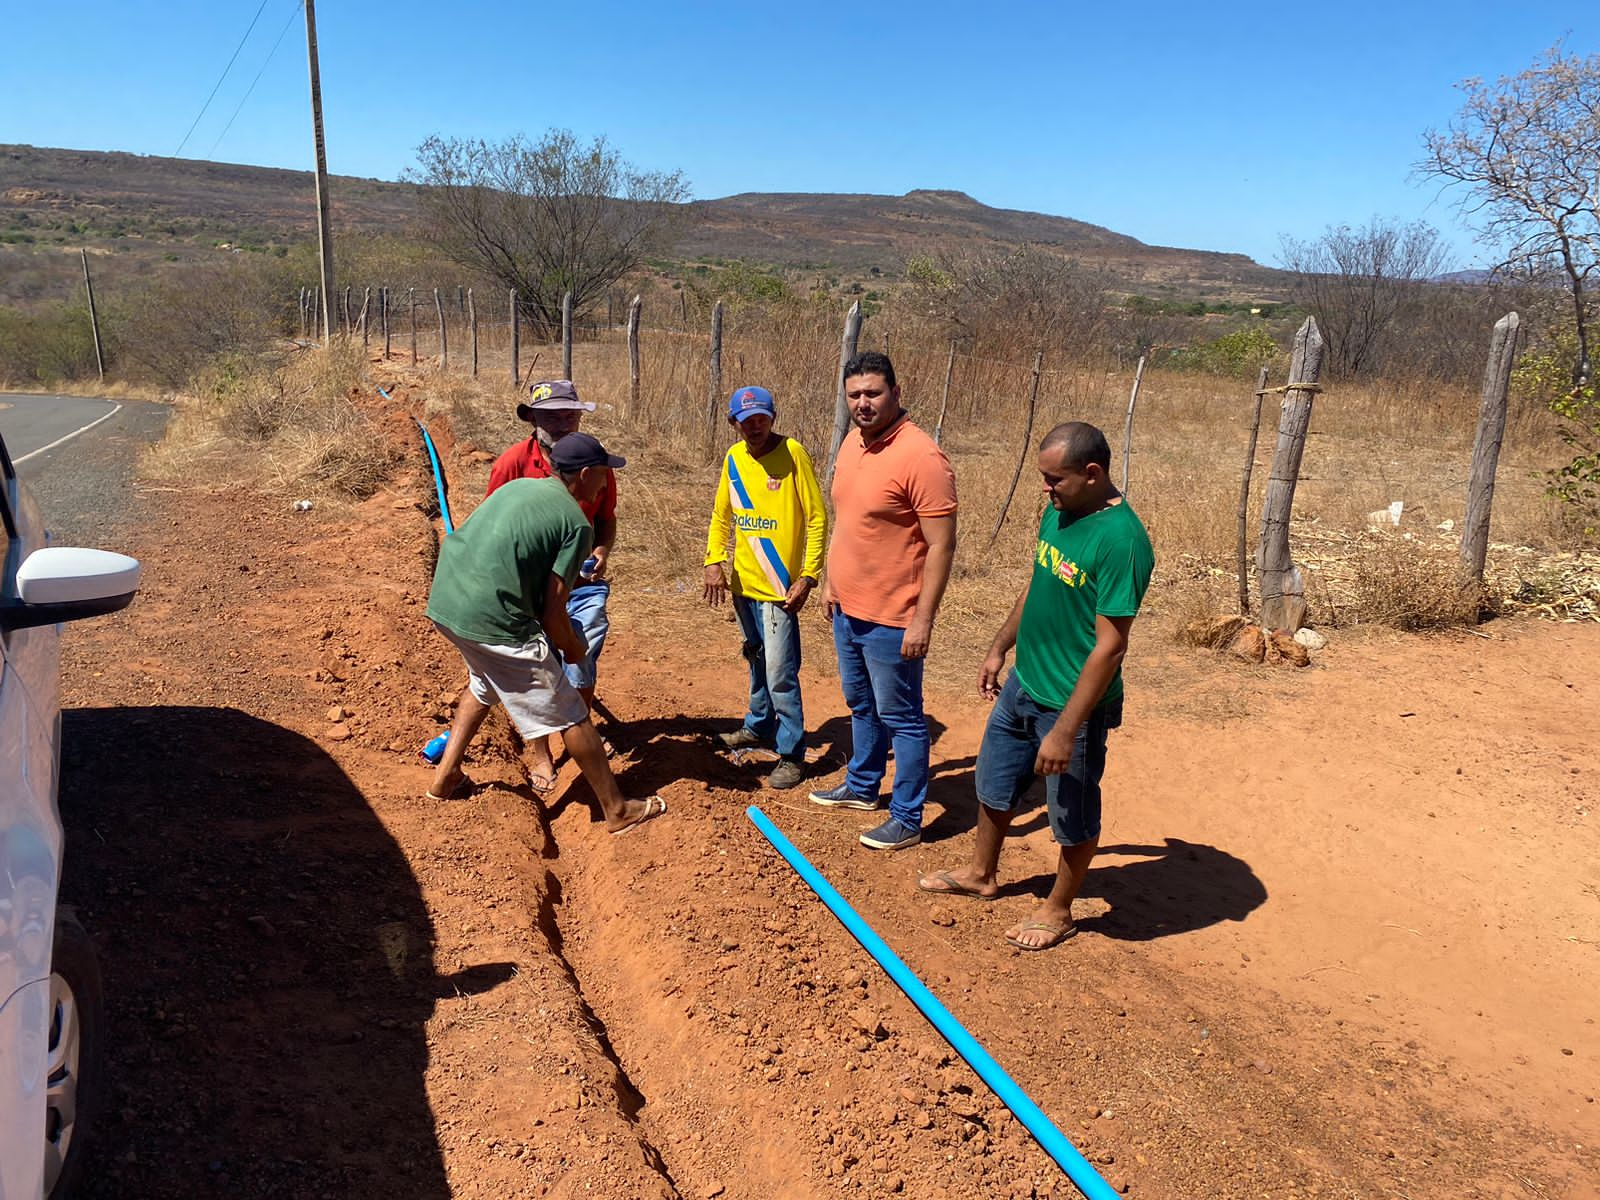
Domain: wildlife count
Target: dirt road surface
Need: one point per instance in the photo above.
(1344, 940)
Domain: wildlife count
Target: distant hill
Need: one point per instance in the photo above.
(67, 196)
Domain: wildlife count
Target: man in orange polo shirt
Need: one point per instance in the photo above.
(894, 499)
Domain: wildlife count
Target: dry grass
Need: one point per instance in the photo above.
(1406, 585)
(291, 422)
(1369, 445)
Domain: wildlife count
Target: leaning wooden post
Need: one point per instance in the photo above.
(1486, 450)
(1244, 497)
(347, 308)
(516, 337)
(944, 404)
(566, 335)
(1027, 441)
(683, 309)
(715, 408)
(848, 341)
(444, 337)
(1127, 428)
(411, 303)
(472, 324)
(366, 307)
(1283, 604)
(633, 355)
(94, 319)
(383, 314)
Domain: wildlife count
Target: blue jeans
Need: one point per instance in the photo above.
(772, 647)
(586, 608)
(1011, 740)
(884, 692)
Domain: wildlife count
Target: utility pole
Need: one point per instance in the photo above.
(94, 323)
(324, 235)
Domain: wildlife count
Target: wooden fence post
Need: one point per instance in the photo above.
(1027, 440)
(1486, 450)
(461, 300)
(566, 335)
(683, 308)
(944, 404)
(715, 410)
(366, 308)
(633, 355)
(611, 308)
(848, 341)
(347, 308)
(472, 323)
(444, 338)
(1283, 604)
(411, 304)
(94, 318)
(302, 314)
(516, 332)
(1127, 428)
(383, 312)
(1244, 496)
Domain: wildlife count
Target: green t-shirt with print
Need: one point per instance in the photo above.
(1082, 567)
(493, 570)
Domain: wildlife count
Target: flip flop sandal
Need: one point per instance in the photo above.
(462, 787)
(542, 786)
(953, 887)
(654, 806)
(1059, 933)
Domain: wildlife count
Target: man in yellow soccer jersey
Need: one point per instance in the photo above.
(769, 503)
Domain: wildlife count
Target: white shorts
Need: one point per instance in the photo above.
(527, 679)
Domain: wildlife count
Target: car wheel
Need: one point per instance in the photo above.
(77, 1016)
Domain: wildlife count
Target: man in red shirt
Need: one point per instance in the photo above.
(554, 410)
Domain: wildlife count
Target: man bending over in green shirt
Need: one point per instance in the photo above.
(500, 596)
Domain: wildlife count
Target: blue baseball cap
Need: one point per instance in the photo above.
(747, 401)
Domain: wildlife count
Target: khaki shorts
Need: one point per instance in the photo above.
(527, 679)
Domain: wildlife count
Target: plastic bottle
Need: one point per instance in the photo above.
(434, 750)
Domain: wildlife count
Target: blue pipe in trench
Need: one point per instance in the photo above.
(438, 471)
(1054, 1143)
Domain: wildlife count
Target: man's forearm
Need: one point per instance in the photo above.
(935, 575)
(1099, 669)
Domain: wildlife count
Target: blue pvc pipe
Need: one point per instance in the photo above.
(438, 471)
(1084, 1177)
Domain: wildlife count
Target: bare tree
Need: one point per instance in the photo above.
(1527, 151)
(1027, 292)
(1358, 280)
(544, 217)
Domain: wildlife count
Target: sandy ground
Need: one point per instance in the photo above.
(1344, 940)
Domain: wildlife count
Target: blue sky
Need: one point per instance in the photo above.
(1216, 127)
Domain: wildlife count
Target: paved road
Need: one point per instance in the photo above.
(84, 485)
(30, 423)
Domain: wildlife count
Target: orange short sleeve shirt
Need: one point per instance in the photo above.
(877, 554)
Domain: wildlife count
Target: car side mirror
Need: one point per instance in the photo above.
(68, 583)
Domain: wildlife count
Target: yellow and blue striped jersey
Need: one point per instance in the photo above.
(771, 508)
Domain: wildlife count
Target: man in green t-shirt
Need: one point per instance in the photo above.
(1070, 626)
(500, 596)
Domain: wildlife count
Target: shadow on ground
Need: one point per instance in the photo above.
(268, 963)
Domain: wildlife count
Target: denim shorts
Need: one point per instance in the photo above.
(1011, 742)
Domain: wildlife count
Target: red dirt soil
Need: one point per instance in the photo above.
(1344, 940)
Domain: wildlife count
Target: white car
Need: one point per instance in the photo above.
(50, 1001)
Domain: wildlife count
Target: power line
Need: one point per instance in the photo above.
(220, 78)
(298, 5)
